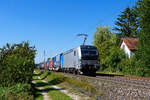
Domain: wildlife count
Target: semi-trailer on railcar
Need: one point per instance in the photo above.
(57, 62)
(51, 64)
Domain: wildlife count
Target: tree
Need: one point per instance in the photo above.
(104, 39)
(143, 52)
(102, 34)
(127, 23)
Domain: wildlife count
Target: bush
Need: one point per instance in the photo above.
(134, 67)
(16, 64)
(114, 59)
(16, 92)
(16, 67)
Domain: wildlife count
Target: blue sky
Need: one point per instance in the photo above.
(52, 25)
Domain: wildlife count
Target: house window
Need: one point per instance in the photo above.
(123, 47)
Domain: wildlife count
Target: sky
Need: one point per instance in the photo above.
(52, 25)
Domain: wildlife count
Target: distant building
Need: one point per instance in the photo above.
(129, 45)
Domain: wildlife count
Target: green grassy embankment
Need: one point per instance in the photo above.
(55, 78)
(110, 73)
(53, 93)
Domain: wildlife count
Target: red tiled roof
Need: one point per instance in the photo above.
(130, 42)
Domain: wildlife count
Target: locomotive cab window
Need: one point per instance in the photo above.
(74, 53)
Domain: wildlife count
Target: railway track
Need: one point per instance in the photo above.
(126, 81)
(117, 80)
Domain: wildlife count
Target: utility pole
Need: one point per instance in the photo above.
(44, 56)
(44, 61)
(85, 37)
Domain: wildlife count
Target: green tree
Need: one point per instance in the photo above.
(143, 52)
(114, 59)
(127, 23)
(104, 39)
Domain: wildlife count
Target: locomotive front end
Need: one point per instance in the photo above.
(89, 59)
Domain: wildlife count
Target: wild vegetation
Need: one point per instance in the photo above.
(16, 67)
(133, 22)
(40, 86)
(60, 80)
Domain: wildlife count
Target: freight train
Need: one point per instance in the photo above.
(81, 60)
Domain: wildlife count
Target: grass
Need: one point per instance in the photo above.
(16, 92)
(59, 79)
(53, 93)
(38, 95)
(110, 73)
(76, 91)
(56, 94)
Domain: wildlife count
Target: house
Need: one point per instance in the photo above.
(129, 45)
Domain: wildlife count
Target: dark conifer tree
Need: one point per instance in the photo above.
(127, 23)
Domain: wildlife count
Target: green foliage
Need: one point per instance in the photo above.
(143, 53)
(127, 23)
(16, 92)
(114, 59)
(133, 67)
(56, 94)
(104, 40)
(139, 65)
(16, 64)
(57, 78)
(38, 95)
(132, 21)
(102, 34)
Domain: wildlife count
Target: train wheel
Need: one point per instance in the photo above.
(78, 72)
(75, 72)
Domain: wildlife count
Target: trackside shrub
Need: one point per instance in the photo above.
(16, 92)
(134, 67)
(16, 64)
(114, 59)
(16, 70)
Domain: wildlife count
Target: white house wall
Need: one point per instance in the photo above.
(126, 49)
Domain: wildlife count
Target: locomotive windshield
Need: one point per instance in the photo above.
(89, 53)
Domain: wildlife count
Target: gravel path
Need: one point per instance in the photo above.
(71, 95)
(44, 93)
